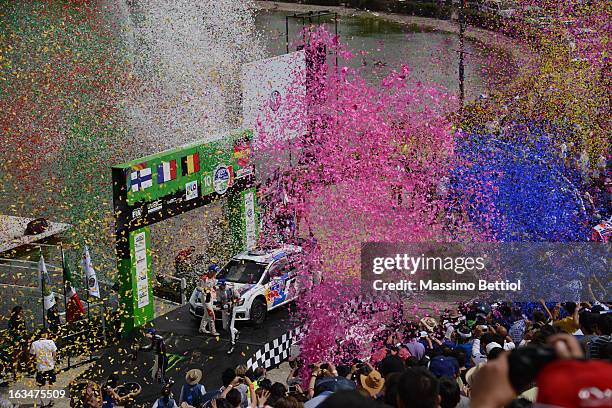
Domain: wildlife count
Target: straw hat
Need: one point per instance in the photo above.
(372, 383)
(429, 322)
(193, 376)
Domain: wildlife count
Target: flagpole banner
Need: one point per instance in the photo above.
(74, 306)
(92, 281)
(250, 219)
(45, 281)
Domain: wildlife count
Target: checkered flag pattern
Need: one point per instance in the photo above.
(274, 352)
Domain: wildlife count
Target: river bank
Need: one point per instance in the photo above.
(519, 54)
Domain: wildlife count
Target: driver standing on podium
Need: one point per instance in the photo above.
(208, 282)
(226, 299)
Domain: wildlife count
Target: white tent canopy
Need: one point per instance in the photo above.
(12, 232)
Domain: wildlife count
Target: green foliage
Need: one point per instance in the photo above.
(421, 9)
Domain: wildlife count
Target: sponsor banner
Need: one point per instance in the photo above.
(266, 85)
(221, 179)
(207, 183)
(163, 174)
(249, 219)
(141, 266)
(154, 206)
(191, 190)
(143, 213)
(136, 213)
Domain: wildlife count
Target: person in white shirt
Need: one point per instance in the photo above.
(208, 283)
(44, 351)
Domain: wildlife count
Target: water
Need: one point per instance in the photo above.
(186, 59)
(432, 55)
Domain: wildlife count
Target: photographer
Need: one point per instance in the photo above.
(562, 377)
(293, 379)
(324, 381)
(160, 362)
(230, 394)
(484, 339)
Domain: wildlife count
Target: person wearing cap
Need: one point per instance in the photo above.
(193, 392)
(158, 346)
(444, 366)
(207, 284)
(488, 341)
(414, 346)
(371, 384)
(227, 297)
(463, 342)
(165, 400)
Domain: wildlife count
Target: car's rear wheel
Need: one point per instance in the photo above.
(259, 311)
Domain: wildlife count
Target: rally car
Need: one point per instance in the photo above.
(265, 280)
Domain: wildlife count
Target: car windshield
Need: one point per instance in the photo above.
(242, 271)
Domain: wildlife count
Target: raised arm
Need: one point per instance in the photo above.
(550, 316)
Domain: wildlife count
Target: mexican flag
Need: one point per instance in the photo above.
(45, 281)
(74, 307)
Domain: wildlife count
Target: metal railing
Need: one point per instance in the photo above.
(168, 292)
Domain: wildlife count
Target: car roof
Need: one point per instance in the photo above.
(268, 255)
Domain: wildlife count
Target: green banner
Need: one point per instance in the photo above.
(141, 271)
(243, 216)
(210, 167)
(160, 186)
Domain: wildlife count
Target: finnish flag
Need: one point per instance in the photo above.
(141, 179)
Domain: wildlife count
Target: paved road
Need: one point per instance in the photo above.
(187, 349)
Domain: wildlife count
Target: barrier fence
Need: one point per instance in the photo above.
(171, 288)
(20, 285)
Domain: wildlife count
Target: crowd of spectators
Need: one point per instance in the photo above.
(478, 355)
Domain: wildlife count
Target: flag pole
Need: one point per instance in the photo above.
(64, 280)
(84, 269)
(42, 288)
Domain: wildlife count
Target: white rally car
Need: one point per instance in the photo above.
(265, 280)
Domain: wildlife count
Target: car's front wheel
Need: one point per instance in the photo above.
(259, 310)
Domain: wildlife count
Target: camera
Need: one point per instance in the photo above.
(525, 363)
(293, 364)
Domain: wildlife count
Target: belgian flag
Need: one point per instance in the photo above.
(190, 164)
